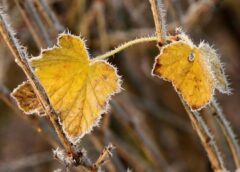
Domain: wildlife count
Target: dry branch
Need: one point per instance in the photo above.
(104, 156)
(75, 157)
(207, 140)
(21, 58)
(159, 20)
(228, 132)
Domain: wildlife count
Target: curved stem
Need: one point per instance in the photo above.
(124, 46)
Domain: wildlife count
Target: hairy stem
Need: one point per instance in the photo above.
(124, 46)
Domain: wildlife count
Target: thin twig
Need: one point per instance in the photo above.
(166, 116)
(104, 156)
(127, 153)
(36, 18)
(29, 22)
(99, 146)
(207, 139)
(49, 16)
(228, 132)
(159, 20)
(136, 130)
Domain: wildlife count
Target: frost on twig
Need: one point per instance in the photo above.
(227, 131)
(104, 156)
(82, 159)
(69, 160)
(207, 139)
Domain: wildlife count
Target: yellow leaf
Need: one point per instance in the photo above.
(183, 64)
(78, 88)
(216, 66)
(26, 99)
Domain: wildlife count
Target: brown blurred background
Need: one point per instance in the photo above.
(146, 121)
